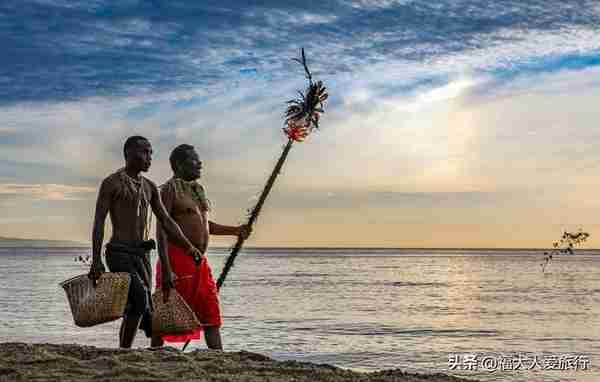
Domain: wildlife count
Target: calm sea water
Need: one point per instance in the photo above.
(361, 309)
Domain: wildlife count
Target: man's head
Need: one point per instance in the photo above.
(138, 153)
(185, 162)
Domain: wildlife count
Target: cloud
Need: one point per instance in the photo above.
(51, 192)
(136, 48)
(30, 219)
(276, 17)
(445, 105)
(473, 150)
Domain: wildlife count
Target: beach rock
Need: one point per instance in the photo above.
(51, 362)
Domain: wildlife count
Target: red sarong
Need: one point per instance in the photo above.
(197, 287)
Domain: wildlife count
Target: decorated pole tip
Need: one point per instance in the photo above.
(303, 113)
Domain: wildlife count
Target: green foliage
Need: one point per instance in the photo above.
(565, 246)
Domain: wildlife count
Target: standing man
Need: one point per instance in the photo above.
(185, 200)
(126, 195)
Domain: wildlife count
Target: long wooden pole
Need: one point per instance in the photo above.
(240, 241)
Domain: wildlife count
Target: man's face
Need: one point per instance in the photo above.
(140, 155)
(190, 168)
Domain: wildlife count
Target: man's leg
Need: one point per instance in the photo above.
(157, 341)
(212, 336)
(129, 328)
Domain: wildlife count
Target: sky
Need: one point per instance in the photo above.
(455, 123)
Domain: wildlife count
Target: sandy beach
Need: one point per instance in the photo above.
(50, 362)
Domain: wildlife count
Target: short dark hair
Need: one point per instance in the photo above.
(178, 154)
(132, 141)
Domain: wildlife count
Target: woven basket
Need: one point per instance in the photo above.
(96, 305)
(173, 317)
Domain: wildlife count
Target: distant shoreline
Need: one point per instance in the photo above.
(15, 243)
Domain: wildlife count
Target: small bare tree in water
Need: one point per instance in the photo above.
(565, 246)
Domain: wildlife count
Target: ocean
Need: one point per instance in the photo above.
(492, 315)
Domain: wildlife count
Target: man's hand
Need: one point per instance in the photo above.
(167, 283)
(96, 270)
(196, 255)
(244, 231)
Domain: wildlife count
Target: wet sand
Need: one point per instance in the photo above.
(49, 362)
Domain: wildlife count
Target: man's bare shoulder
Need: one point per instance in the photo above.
(110, 182)
(150, 185)
(167, 189)
(149, 182)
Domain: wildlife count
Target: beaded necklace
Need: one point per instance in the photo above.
(133, 189)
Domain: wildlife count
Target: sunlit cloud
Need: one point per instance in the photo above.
(482, 114)
(45, 191)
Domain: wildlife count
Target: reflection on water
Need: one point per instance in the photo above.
(366, 310)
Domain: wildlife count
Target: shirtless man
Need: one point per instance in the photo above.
(126, 195)
(186, 202)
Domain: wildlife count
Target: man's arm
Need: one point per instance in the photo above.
(217, 229)
(161, 238)
(102, 207)
(169, 225)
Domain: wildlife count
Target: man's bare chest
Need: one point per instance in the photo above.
(186, 205)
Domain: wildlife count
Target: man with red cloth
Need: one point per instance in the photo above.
(185, 201)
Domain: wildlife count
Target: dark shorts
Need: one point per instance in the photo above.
(130, 258)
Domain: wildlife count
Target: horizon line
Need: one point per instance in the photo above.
(221, 248)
